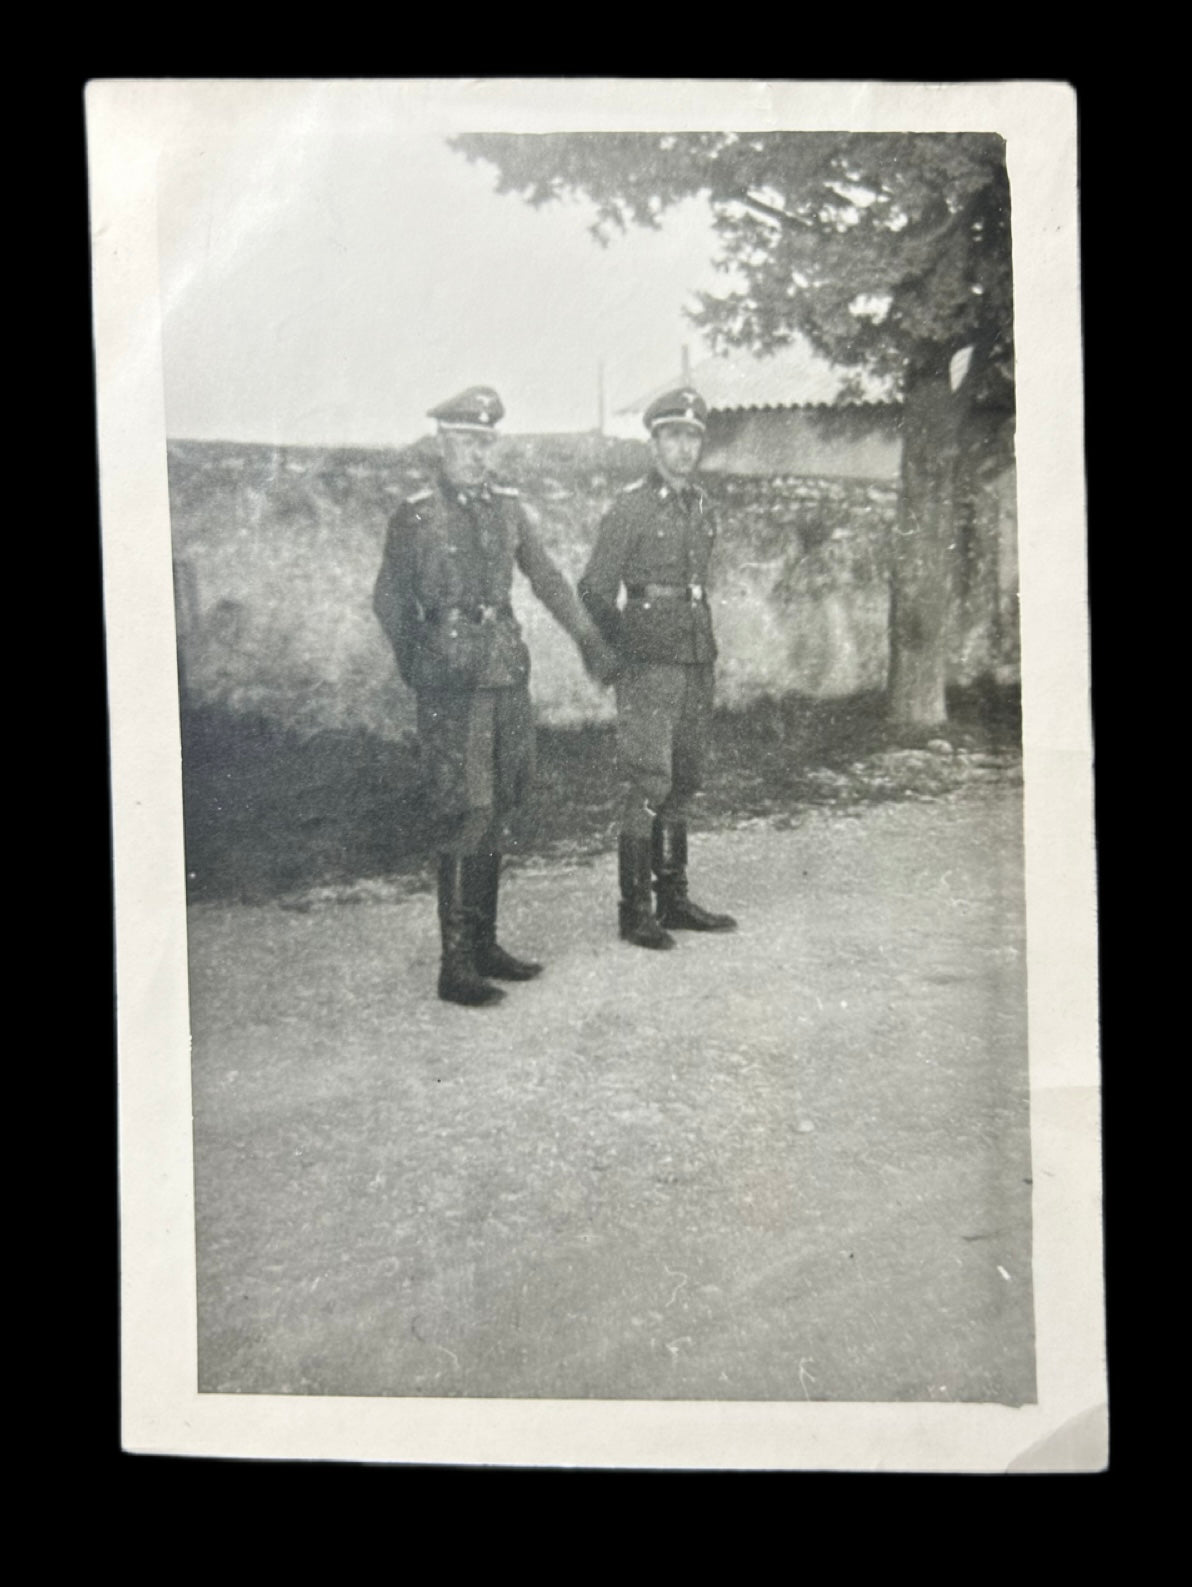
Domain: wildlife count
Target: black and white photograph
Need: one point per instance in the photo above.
(595, 590)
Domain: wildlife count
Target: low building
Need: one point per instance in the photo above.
(791, 415)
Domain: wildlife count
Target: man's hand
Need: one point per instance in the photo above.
(600, 662)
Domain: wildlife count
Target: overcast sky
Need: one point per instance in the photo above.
(330, 270)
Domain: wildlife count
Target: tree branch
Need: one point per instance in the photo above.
(763, 208)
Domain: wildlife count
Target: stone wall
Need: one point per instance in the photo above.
(276, 550)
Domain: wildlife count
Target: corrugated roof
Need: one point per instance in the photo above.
(793, 377)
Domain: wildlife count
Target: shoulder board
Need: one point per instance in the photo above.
(422, 495)
(504, 490)
(637, 485)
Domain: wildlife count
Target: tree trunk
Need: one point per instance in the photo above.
(920, 575)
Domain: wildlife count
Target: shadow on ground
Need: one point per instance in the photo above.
(269, 813)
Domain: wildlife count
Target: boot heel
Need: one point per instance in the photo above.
(648, 933)
(468, 992)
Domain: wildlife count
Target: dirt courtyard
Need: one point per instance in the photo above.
(791, 1162)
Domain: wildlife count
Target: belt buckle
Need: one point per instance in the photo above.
(488, 614)
(695, 592)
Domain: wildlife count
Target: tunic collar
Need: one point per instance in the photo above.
(465, 495)
(689, 495)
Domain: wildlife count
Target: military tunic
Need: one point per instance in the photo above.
(655, 543)
(443, 599)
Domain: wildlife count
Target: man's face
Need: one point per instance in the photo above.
(677, 448)
(465, 455)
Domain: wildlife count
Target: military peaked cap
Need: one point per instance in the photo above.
(683, 406)
(478, 408)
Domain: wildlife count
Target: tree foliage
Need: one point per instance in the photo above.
(889, 252)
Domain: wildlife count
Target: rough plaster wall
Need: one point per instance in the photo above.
(276, 552)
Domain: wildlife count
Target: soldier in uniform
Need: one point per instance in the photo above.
(442, 597)
(654, 544)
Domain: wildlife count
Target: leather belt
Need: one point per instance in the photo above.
(476, 612)
(666, 592)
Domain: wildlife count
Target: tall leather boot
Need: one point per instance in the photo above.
(482, 874)
(459, 979)
(638, 922)
(676, 911)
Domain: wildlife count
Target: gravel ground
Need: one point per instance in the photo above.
(789, 1163)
